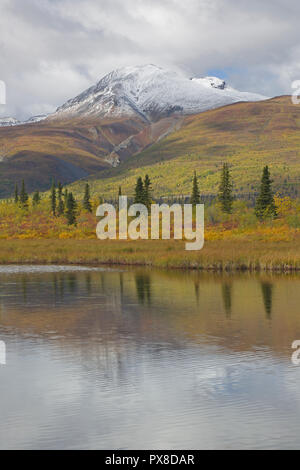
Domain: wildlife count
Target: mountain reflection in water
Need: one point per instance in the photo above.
(148, 359)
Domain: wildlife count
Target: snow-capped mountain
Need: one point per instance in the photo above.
(8, 121)
(151, 92)
(11, 121)
(33, 119)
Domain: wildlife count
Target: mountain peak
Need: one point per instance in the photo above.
(146, 91)
(151, 92)
(213, 82)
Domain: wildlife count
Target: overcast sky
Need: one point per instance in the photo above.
(51, 50)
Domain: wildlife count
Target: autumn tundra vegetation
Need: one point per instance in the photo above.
(237, 233)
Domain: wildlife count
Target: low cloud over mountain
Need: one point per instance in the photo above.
(51, 51)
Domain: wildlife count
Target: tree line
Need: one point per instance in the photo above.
(264, 206)
(62, 201)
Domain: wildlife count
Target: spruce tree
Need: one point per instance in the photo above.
(71, 209)
(225, 190)
(265, 205)
(53, 198)
(195, 197)
(61, 204)
(87, 198)
(147, 191)
(139, 197)
(36, 199)
(65, 197)
(119, 195)
(23, 196)
(16, 194)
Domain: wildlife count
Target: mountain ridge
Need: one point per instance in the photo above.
(127, 112)
(145, 91)
(247, 136)
(151, 93)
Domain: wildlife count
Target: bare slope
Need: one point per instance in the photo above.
(124, 113)
(70, 149)
(246, 135)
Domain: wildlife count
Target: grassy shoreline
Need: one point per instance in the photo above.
(217, 255)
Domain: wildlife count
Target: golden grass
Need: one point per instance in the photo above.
(216, 255)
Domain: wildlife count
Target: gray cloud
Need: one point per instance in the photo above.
(50, 50)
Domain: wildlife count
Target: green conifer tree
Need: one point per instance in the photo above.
(225, 190)
(23, 196)
(71, 209)
(119, 195)
(60, 204)
(195, 197)
(16, 194)
(139, 197)
(147, 191)
(265, 205)
(36, 198)
(53, 198)
(65, 197)
(87, 198)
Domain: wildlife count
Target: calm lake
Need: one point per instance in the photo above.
(133, 359)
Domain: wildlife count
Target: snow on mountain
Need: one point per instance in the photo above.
(11, 121)
(8, 121)
(213, 82)
(151, 92)
(33, 119)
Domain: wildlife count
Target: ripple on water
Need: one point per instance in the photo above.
(16, 269)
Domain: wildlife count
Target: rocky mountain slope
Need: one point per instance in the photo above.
(246, 135)
(126, 112)
(151, 92)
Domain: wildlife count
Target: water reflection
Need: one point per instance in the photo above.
(121, 285)
(197, 290)
(143, 288)
(227, 297)
(149, 359)
(267, 292)
(72, 282)
(88, 283)
(24, 288)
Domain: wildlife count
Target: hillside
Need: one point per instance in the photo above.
(68, 150)
(125, 112)
(246, 135)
